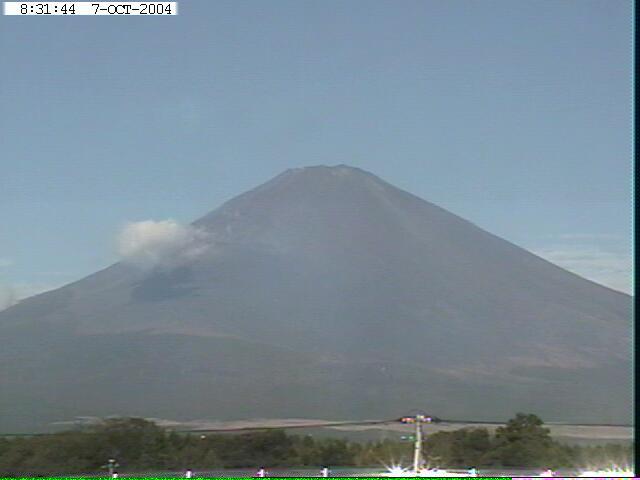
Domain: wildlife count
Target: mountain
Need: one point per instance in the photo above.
(323, 293)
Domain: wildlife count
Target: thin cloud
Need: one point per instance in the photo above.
(583, 236)
(11, 294)
(5, 262)
(606, 267)
(589, 236)
(7, 297)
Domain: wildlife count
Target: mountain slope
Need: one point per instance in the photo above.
(333, 294)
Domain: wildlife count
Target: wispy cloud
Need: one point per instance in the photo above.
(7, 297)
(609, 268)
(11, 294)
(586, 236)
(5, 262)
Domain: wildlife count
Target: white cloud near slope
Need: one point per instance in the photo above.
(606, 267)
(152, 243)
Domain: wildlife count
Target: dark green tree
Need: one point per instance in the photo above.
(524, 442)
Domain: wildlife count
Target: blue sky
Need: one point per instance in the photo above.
(513, 114)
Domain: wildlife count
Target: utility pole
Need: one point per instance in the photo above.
(418, 420)
(111, 466)
(417, 446)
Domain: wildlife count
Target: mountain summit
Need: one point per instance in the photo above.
(323, 293)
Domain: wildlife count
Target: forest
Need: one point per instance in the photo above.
(142, 446)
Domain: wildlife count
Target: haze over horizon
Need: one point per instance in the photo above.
(515, 116)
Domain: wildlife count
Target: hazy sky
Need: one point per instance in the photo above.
(513, 114)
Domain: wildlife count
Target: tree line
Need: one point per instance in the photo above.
(522, 442)
(140, 445)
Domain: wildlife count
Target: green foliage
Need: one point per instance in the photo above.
(525, 442)
(140, 445)
(385, 452)
(462, 448)
(522, 442)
